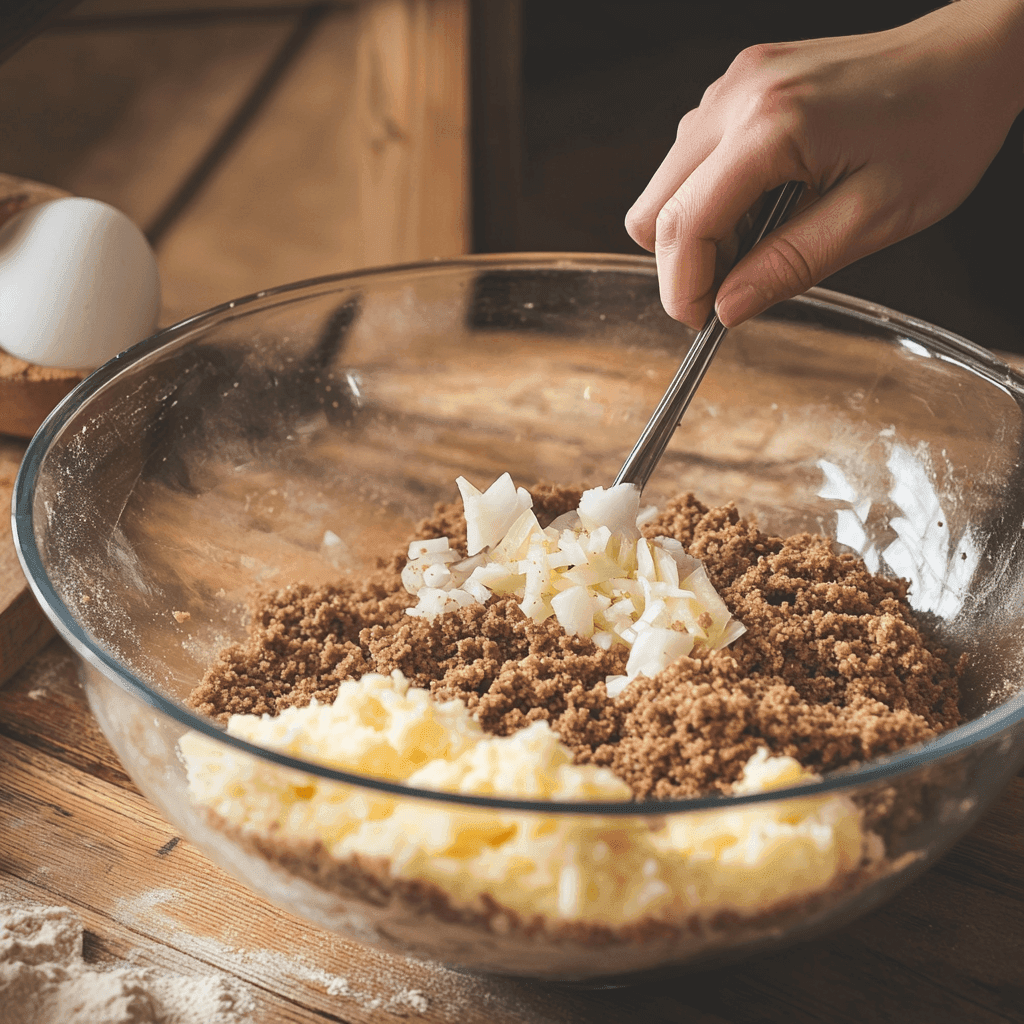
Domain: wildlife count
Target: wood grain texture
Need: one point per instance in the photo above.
(28, 396)
(74, 831)
(296, 197)
(412, 103)
(358, 158)
(122, 115)
(282, 204)
(24, 629)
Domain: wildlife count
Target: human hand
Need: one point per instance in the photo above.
(891, 131)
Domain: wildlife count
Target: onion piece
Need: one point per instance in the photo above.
(591, 569)
(615, 508)
(490, 513)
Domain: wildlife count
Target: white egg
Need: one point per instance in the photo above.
(78, 284)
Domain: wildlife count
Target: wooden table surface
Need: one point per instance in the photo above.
(240, 135)
(75, 831)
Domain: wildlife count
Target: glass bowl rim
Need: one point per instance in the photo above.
(938, 341)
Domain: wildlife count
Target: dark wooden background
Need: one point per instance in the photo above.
(594, 97)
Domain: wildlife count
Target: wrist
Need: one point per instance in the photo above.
(992, 34)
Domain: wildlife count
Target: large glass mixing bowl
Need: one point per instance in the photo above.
(302, 432)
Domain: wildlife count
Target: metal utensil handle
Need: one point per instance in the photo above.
(648, 450)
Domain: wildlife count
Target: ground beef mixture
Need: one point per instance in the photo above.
(834, 667)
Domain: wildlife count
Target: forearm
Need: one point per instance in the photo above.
(990, 34)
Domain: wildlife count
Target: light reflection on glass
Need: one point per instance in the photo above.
(923, 551)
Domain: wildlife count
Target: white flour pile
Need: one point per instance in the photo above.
(43, 980)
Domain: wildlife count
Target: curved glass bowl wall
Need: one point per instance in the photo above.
(210, 462)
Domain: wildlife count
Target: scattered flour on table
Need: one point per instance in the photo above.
(53, 672)
(265, 962)
(44, 980)
(268, 962)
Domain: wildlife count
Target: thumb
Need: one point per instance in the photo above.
(825, 236)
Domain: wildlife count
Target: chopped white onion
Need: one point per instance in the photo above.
(614, 685)
(655, 649)
(615, 508)
(591, 569)
(574, 609)
(490, 513)
(434, 546)
(436, 576)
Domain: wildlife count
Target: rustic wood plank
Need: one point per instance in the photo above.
(412, 101)
(356, 159)
(282, 205)
(82, 841)
(947, 949)
(111, 944)
(123, 114)
(45, 707)
(24, 629)
(29, 393)
(240, 122)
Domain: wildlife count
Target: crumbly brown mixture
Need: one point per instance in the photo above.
(833, 668)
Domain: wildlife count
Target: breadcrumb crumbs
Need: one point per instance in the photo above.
(834, 667)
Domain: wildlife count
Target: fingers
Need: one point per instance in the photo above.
(693, 143)
(706, 186)
(832, 232)
(700, 215)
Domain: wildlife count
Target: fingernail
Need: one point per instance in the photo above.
(737, 305)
